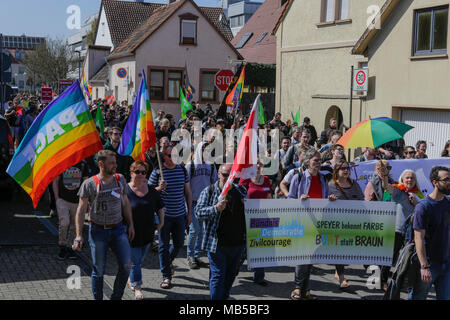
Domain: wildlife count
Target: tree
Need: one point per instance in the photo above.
(90, 36)
(50, 62)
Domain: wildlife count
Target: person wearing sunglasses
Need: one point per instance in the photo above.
(409, 152)
(224, 232)
(344, 188)
(374, 190)
(145, 202)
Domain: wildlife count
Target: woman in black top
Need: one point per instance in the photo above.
(344, 188)
(145, 201)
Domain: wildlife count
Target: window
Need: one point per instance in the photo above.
(344, 9)
(21, 84)
(430, 31)
(157, 84)
(261, 38)
(335, 10)
(244, 40)
(21, 70)
(208, 89)
(237, 21)
(329, 10)
(174, 84)
(188, 31)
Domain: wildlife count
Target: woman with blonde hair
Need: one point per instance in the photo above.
(406, 193)
(145, 202)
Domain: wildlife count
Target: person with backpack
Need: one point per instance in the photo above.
(109, 206)
(314, 185)
(432, 238)
(344, 188)
(406, 193)
(297, 170)
(174, 187)
(224, 233)
(201, 175)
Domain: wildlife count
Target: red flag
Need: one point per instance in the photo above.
(246, 159)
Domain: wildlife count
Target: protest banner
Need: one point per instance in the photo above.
(292, 232)
(422, 167)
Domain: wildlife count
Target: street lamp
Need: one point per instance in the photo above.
(79, 66)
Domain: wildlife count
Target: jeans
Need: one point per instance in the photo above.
(117, 239)
(222, 270)
(440, 274)
(194, 241)
(168, 253)
(302, 276)
(137, 256)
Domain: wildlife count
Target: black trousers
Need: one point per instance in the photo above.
(398, 243)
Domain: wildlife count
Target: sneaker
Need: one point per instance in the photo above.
(62, 255)
(71, 254)
(192, 262)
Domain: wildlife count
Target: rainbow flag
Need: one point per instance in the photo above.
(235, 96)
(87, 88)
(62, 135)
(139, 134)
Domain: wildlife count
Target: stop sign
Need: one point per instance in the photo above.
(223, 79)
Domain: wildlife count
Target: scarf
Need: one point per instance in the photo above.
(414, 190)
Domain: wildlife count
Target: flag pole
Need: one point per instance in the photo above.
(159, 161)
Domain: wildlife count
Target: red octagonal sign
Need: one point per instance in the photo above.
(223, 79)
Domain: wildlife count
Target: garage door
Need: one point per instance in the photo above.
(431, 126)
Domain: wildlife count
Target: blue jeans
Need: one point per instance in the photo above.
(223, 266)
(194, 241)
(440, 274)
(167, 252)
(117, 239)
(137, 256)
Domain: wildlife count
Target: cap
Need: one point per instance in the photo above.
(306, 119)
(220, 121)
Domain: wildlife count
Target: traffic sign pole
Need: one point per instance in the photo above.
(351, 102)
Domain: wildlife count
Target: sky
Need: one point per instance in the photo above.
(48, 18)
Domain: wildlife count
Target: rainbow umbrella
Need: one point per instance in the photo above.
(373, 133)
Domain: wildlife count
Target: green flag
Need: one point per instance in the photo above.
(297, 116)
(261, 115)
(99, 120)
(185, 105)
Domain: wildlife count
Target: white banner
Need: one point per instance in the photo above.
(422, 168)
(291, 232)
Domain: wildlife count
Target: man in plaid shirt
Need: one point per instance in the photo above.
(224, 232)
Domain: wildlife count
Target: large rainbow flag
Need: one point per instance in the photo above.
(235, 96)
(139, 134)
(62, 135)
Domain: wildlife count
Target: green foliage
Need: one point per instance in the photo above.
(260, 75)
(90, 37)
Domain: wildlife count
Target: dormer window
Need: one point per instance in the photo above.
(188, 29)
